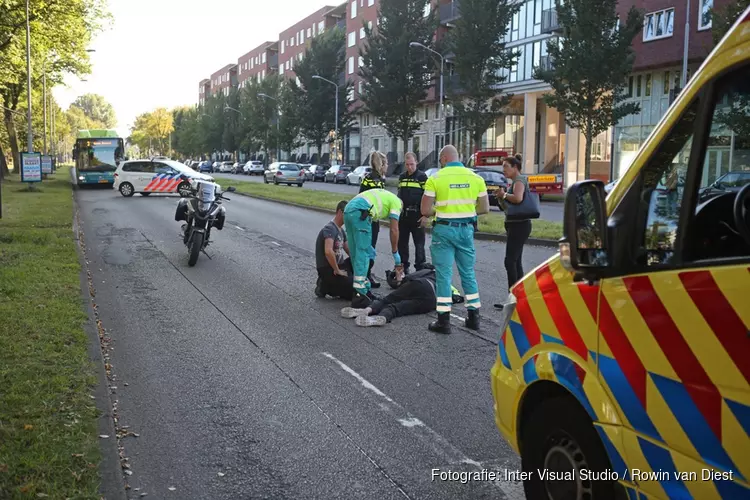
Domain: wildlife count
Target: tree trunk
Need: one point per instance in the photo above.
(4, 172)
(587, 155)
(12, 138)
(477, 143)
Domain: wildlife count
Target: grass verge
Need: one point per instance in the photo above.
(489, 223)
(48, 430)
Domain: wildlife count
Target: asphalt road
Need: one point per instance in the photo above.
(550, 210)
(242, 384)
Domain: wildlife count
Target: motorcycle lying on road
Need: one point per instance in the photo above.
(202, 211)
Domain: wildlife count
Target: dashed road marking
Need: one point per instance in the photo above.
(438, 443)
(277, 244)
(238, 227)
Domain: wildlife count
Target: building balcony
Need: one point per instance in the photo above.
(450, 12)
(341, 24)
(550, 24)
(546, 63)
(452, 84)
(273, 61)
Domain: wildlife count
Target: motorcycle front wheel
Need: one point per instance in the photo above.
(195, 248)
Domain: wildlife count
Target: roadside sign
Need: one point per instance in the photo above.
(46, 164)
(31, 167)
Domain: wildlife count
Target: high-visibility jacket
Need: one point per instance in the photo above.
(456, 190)
(411, 188)
(371, 181)
(383, 203)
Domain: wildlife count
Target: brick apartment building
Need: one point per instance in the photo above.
(260, 62)
(295, 40)
(204, 90)
(224, 80)
(529, 127)
(658, 68)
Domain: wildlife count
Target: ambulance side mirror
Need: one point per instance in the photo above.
(584, 246)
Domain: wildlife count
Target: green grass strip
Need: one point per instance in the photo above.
(489, 223)
(48, 431)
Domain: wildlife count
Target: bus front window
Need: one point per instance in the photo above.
(100, 159)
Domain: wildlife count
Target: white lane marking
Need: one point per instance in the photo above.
(277, 244)
(457, 317)
(439, 444)
(410, 422)
(365, 383)
(238, 227)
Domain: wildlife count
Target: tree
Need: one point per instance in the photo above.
(96, 108)
(151, 130)
(397, 76)
(326, 57)
(290, 119)
(480, 55)
(260, 113)
(62, 30)
(722, 20)
(590, 65)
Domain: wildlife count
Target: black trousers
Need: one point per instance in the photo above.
(375, 231)
(413, 297)
(335, 285)
(518, 233)
(408, 226)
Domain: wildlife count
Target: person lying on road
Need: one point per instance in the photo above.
(415, 295)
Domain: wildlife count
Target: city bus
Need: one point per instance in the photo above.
(96, 153)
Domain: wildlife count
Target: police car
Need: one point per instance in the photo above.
(155, 176)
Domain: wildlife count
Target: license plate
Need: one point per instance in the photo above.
(103, 181)
(542, 178)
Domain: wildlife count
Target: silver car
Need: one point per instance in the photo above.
(284, 173)
(355, 178)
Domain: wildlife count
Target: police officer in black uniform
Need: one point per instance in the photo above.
(410, 190)
(374, 180)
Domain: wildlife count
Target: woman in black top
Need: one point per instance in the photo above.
(375, 179)
(518, 230)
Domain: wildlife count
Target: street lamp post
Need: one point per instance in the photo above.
(226, 108)
(442, 64)
(278, 119)
(336, 140)
(29, 134)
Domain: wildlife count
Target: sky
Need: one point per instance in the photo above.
(155, 52)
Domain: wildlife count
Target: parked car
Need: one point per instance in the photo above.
(355, 177)
(205, 166)
(215, 166)
(494, 181)
(319, 172)
(306, 167)
(284, 173)
(337, 173)
(431, 171)
(731, 182)
(237, 167)
(254, 167)
(226, 167)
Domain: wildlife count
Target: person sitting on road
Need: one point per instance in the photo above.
(334, 269)
(414, 295)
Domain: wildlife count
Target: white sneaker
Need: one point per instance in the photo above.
(370, 320)
(350, 312)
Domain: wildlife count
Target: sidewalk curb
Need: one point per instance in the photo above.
(112, 486)
(477, 236)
